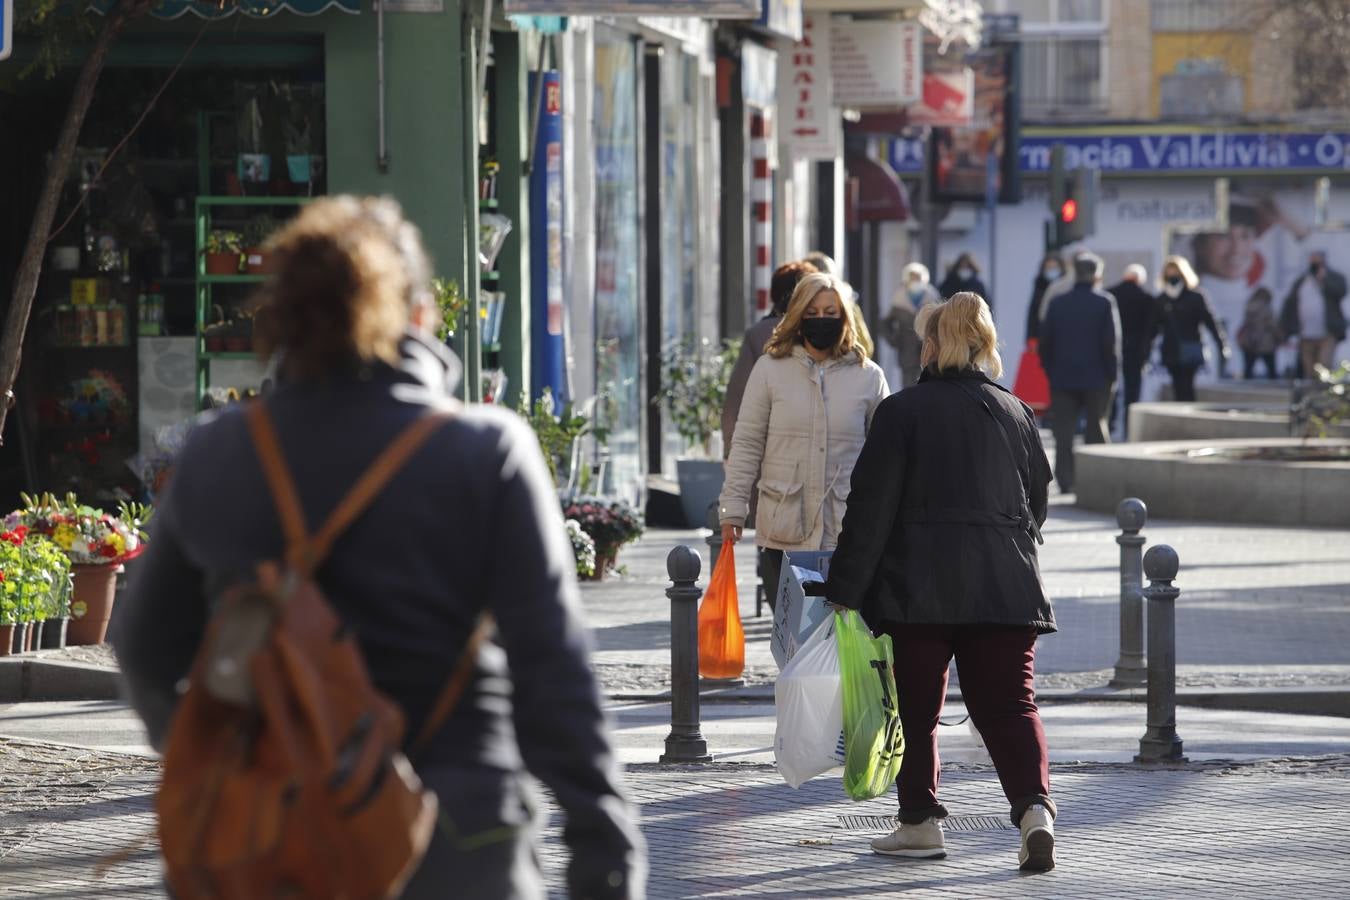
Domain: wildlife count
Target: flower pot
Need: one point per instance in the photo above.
(238, 344)
(35, 630)
(215, 344)
(95, 589)
(256, 261)
(700, 484)
(6, 639)
(54, 634)
(222, 264)
(19, 637)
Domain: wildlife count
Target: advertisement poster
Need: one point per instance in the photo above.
(964, 157)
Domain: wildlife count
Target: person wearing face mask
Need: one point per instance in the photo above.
(806, 411)
(1138, 310)
(916, 292)
(1052, 270)
(964, 275)
(1182, 308)
(1312, 312)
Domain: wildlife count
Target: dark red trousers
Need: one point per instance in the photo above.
(996, 665)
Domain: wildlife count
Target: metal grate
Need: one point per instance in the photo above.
(951, 823)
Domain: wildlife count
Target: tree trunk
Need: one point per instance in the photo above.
(30, 265)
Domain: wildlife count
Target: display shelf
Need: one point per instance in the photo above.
(231, 279)
(63, 347)
(228, 354)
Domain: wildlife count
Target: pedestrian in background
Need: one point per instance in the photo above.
(1184, 307)
(1051, 271)
(1312, 313)
(806, 411)
(1258, 336)
(1080, 349)
(350, 301)
(964, 275)
(784, 282)
(823, 263)
(1138, 311)
(915, 293)
(938, 550)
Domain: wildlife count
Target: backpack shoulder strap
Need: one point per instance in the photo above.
(279, 481)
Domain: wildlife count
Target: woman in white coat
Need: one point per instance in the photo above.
(806, 411)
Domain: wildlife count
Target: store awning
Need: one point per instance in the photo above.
(254, 9)
(881, 195)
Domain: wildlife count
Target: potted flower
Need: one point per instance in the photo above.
(34, 583)
(583, 549)
(694, 390)
(611, 523)
(224, 250)
(255, 236)
(96, 544)
(451, 303)
(559, 430)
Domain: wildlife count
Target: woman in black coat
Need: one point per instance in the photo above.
(938, 550)
(1052, 270)
(1182, 309)
(964, 275)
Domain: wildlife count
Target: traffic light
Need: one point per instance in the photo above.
(1077, 213)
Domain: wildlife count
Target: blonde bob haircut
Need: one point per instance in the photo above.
(788, 334)
(1182, 265)
(961, 332)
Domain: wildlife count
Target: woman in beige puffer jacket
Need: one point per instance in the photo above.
(806, 411)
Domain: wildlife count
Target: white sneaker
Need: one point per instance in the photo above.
(921, 841)
(1038, 840)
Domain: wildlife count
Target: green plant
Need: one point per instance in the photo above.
(223, 240)
(558, 432)
(87, 535)
(35, 579)
(1323, 404)
(258, 230)
(694, 389)
(451, 303)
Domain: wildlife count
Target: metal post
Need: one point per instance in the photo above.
(1160, 742)
(1130, 668)
(712, 521)
(685, 743)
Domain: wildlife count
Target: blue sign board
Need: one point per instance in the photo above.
(546, 244)
(6, 28)
(1167, 153)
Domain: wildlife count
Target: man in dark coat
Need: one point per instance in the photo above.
(1312, 311)
(1138, 311)
(1080, 349)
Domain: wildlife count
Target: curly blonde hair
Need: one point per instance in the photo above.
(788, 334)
(347, 273)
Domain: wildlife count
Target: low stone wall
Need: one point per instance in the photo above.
(1212, 421)
(1174, 485)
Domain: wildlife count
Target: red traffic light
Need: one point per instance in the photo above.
(1069, 211)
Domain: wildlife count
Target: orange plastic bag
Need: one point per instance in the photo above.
(721, 639)
(1031, 386)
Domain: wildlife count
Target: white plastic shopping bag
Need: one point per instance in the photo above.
(809, 697)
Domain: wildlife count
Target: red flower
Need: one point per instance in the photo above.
(2, 576)
(108, 551)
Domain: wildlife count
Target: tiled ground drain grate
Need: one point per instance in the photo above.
(951, 823)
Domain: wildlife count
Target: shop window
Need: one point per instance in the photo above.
(618, 297)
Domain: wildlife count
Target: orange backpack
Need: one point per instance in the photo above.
(283, 775)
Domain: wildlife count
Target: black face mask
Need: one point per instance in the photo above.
(823, 332)
(1314, 268)
(1174, 280)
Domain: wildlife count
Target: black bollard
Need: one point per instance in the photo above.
(1130, 669)
(685, 743)
(1160, 742)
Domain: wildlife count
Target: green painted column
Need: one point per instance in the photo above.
(511, 126)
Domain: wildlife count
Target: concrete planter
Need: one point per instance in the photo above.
(700, 486)
(1186, 480)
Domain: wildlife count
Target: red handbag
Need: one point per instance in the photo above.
(1031, 386)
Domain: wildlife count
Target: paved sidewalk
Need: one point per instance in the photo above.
(1260, 606)
(1275, 828)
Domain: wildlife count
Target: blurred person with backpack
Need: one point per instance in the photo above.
(326, 567)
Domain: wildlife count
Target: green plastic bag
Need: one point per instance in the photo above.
(873, 739)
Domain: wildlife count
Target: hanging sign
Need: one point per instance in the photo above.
(6, 28)
(809, 123)
(782, 18)
(876, 64)
(708, 9)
